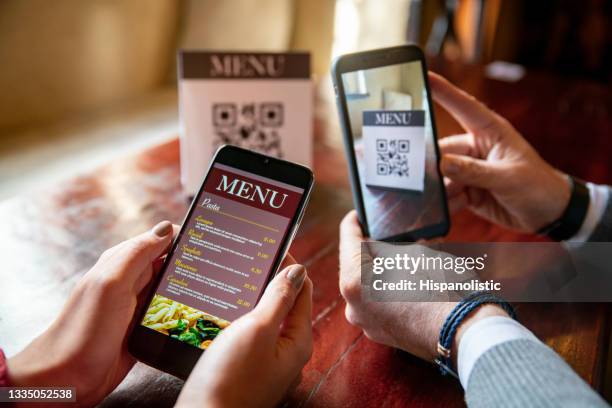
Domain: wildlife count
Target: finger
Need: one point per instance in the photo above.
(458, 203)
(298, 324)
(471, 172)
(453, 188)
(159, 262)
(351, 238)
(145, 281)
(287, 261)
(352, 256)
(351, 235)
(175, 231)
(132, 260)
(280, 295)
(457, 144)
(466, 109)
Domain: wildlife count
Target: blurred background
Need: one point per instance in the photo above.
(85, 81)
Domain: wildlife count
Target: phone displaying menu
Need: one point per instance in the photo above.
(224, 255)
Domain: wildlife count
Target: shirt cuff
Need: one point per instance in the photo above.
(598, 195)
(484, 335)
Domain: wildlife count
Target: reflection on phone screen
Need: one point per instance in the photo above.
(395, 148)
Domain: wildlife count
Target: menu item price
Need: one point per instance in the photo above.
(243, 302)
(250, 286)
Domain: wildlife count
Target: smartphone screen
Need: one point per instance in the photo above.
(224, 254)
(395, 149)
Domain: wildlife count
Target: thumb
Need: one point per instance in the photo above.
(132, 261)
(470, 171)
(278, 299)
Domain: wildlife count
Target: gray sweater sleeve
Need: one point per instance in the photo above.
(526, 373)
(603, 231)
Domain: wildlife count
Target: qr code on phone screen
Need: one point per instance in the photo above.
(392, 157)
(254, 126)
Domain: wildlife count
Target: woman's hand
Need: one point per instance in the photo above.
(86, 347)
(256, 360)
(493, 170)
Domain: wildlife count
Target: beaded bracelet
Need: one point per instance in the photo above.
(454, 320)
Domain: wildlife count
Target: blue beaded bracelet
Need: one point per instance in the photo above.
(454, 320)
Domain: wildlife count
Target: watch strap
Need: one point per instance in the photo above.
(573, 217)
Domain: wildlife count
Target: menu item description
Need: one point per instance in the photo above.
(224, 256)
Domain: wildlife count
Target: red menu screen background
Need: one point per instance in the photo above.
(226, 252)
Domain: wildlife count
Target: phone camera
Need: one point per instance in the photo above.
(266, 161)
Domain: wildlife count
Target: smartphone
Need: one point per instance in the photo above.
(232, 242)
(387, 120)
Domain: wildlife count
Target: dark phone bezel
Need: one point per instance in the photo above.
(375, 59)
(171, 355)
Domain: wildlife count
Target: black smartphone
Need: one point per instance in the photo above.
(232, 242)
(387, 119)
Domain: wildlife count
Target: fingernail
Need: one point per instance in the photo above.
(449, 167)
(162, 229)
(296, 275)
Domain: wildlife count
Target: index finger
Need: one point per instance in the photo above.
(288, 260)
(472, 114)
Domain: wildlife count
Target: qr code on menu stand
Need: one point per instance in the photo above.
(254, 126)
(392, 157)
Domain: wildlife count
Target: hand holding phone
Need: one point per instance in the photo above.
(231, 244)
(260, 356)
(85, 346)
(514, 187)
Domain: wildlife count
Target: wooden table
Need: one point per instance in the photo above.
(51, 237)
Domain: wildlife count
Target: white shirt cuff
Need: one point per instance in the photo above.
(598, 201)
(484, 335)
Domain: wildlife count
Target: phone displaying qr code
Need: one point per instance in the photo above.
(387, 120)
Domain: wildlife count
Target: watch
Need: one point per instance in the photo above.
(572, 218)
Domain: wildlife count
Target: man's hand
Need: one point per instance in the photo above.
(256, 360)
(492, 170)
(410, 326)
(85, 347)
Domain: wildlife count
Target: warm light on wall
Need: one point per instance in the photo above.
(346, 27)
(363, 24)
